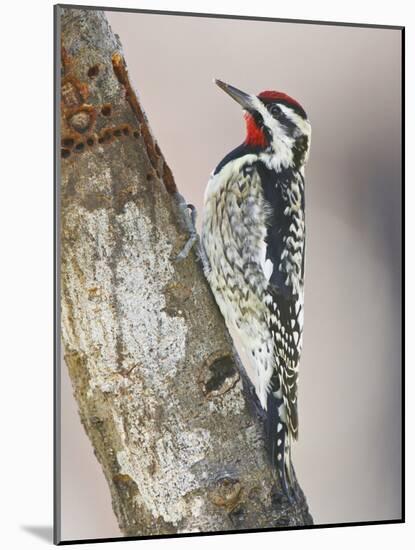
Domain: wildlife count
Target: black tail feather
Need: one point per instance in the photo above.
(278, 446)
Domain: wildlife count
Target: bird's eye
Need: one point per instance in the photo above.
(274, 110)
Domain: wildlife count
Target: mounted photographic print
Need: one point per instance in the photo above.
(228, 274)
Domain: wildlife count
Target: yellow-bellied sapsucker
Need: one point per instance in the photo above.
(253, 240)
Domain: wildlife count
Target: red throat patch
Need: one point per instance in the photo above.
(254, 135)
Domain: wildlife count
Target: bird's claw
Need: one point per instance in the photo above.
(189, 220)
(189, 215)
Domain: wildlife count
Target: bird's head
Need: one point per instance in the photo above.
(275, 123)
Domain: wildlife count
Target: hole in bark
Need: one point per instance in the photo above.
(79, 146)
(65, 153)
(93, 71)
(67, 142)
(117, 132)
(219, 376)
(126, 131)
(106, 110)
(106, 136)
(220, 371)
(136, 134)
(149, 177)
(90, 141)
(226, 492)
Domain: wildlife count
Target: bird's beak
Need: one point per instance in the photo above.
(242, 98)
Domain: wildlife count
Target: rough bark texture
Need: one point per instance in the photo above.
(168, 411)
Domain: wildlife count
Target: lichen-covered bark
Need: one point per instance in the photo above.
(160, 394)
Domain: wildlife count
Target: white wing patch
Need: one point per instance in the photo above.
(266, 264)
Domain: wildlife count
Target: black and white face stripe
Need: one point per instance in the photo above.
(288, 133)
(276, 112)
(274, 107)
(282, 117)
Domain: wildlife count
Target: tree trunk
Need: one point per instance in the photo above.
(161, 395)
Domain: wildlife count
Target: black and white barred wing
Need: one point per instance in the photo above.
(285, 321)
(285, 249)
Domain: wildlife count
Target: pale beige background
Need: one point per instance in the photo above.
(348, 79)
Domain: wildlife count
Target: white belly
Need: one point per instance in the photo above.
(250, 335)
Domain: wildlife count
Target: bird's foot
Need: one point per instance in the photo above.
(189, 215)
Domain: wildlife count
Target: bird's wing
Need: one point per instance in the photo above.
(284, 264)
(284, 324)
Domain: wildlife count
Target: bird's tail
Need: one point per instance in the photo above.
(279, 445)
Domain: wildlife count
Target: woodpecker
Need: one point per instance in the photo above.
(253, 242)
